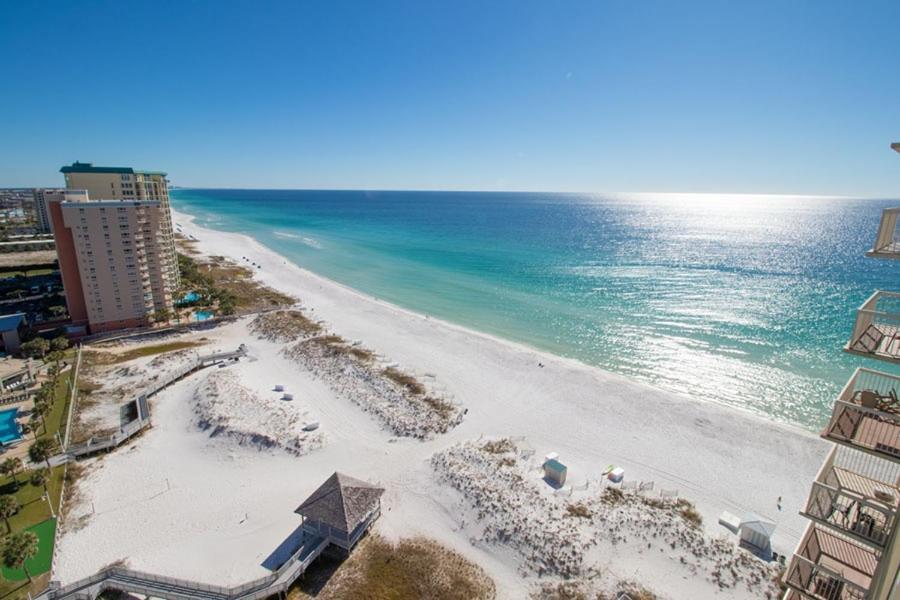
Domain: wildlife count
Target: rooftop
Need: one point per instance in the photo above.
(80, 167)
(342, 502)
(10, 322)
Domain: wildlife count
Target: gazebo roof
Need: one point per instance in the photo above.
(341, 502)
(758, 524)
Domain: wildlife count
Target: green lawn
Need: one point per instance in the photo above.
(33, 508)
(56, 419)
(40, 562)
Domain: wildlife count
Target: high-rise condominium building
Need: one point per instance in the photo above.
(116, 254)
(851, 548)
(125, 183)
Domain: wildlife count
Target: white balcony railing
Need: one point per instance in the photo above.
(887, 242)
(831, 567)
(871, 520)
(818, 581)
(876, 333)
(866, 415)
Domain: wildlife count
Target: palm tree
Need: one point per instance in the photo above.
(18, 548)
(55, 357)
(8, 507)
(11, 466)
(40, 477)
(40, 450)
(59, 344)
(41, 408)
(37, 347)
(162, 315)
(34, 421)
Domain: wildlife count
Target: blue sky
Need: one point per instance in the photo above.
(607, 95)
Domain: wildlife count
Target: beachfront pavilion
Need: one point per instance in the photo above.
(341, 510)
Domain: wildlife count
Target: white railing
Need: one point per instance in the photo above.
(886, 242)
(876, 330)
(851, 513)
(866, 428)
(160, 586)
(73, 396)
(821, 582)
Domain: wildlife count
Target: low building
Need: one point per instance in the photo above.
(341, 510)
(756, 533)
(11, 327)
(555, 472)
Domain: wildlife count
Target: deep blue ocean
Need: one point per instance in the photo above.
(744, 300)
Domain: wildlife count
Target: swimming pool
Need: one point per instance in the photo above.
(188, 298)
(203, 315)
(9, 429)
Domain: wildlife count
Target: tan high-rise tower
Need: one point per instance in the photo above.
(115, 246)
(125, 183)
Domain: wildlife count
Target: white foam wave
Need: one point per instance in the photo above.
(308, 241)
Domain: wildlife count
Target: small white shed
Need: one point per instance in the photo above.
(756, 531)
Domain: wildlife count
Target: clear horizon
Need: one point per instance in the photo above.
(584, 97)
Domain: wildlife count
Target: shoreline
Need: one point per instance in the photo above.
(180, 218)
(712, 455)
(333, 302)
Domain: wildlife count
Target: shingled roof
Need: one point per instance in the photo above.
(341, 502)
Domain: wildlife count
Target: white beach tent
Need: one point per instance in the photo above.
(756, 531)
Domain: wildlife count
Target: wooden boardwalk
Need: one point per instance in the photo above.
(147, 584)
(132, 428)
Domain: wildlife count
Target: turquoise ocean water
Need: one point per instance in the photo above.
(744, 300)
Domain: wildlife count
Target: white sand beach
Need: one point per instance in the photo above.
(178, 502)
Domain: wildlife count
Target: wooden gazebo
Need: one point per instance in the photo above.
(342, 509)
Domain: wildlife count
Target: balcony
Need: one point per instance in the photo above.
(866, 415)
(830, 567)
(876, 333)
(850, 495)
(887, 245)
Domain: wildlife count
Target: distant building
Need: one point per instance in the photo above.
(15, 211)
(116, 255)
(44, 195)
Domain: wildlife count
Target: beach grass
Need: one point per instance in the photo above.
(110, 358)
(407, 570)
(410, 383)
(284, 325)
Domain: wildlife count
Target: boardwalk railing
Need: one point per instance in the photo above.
(73, 395)
(132, 428)
(128, 580)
